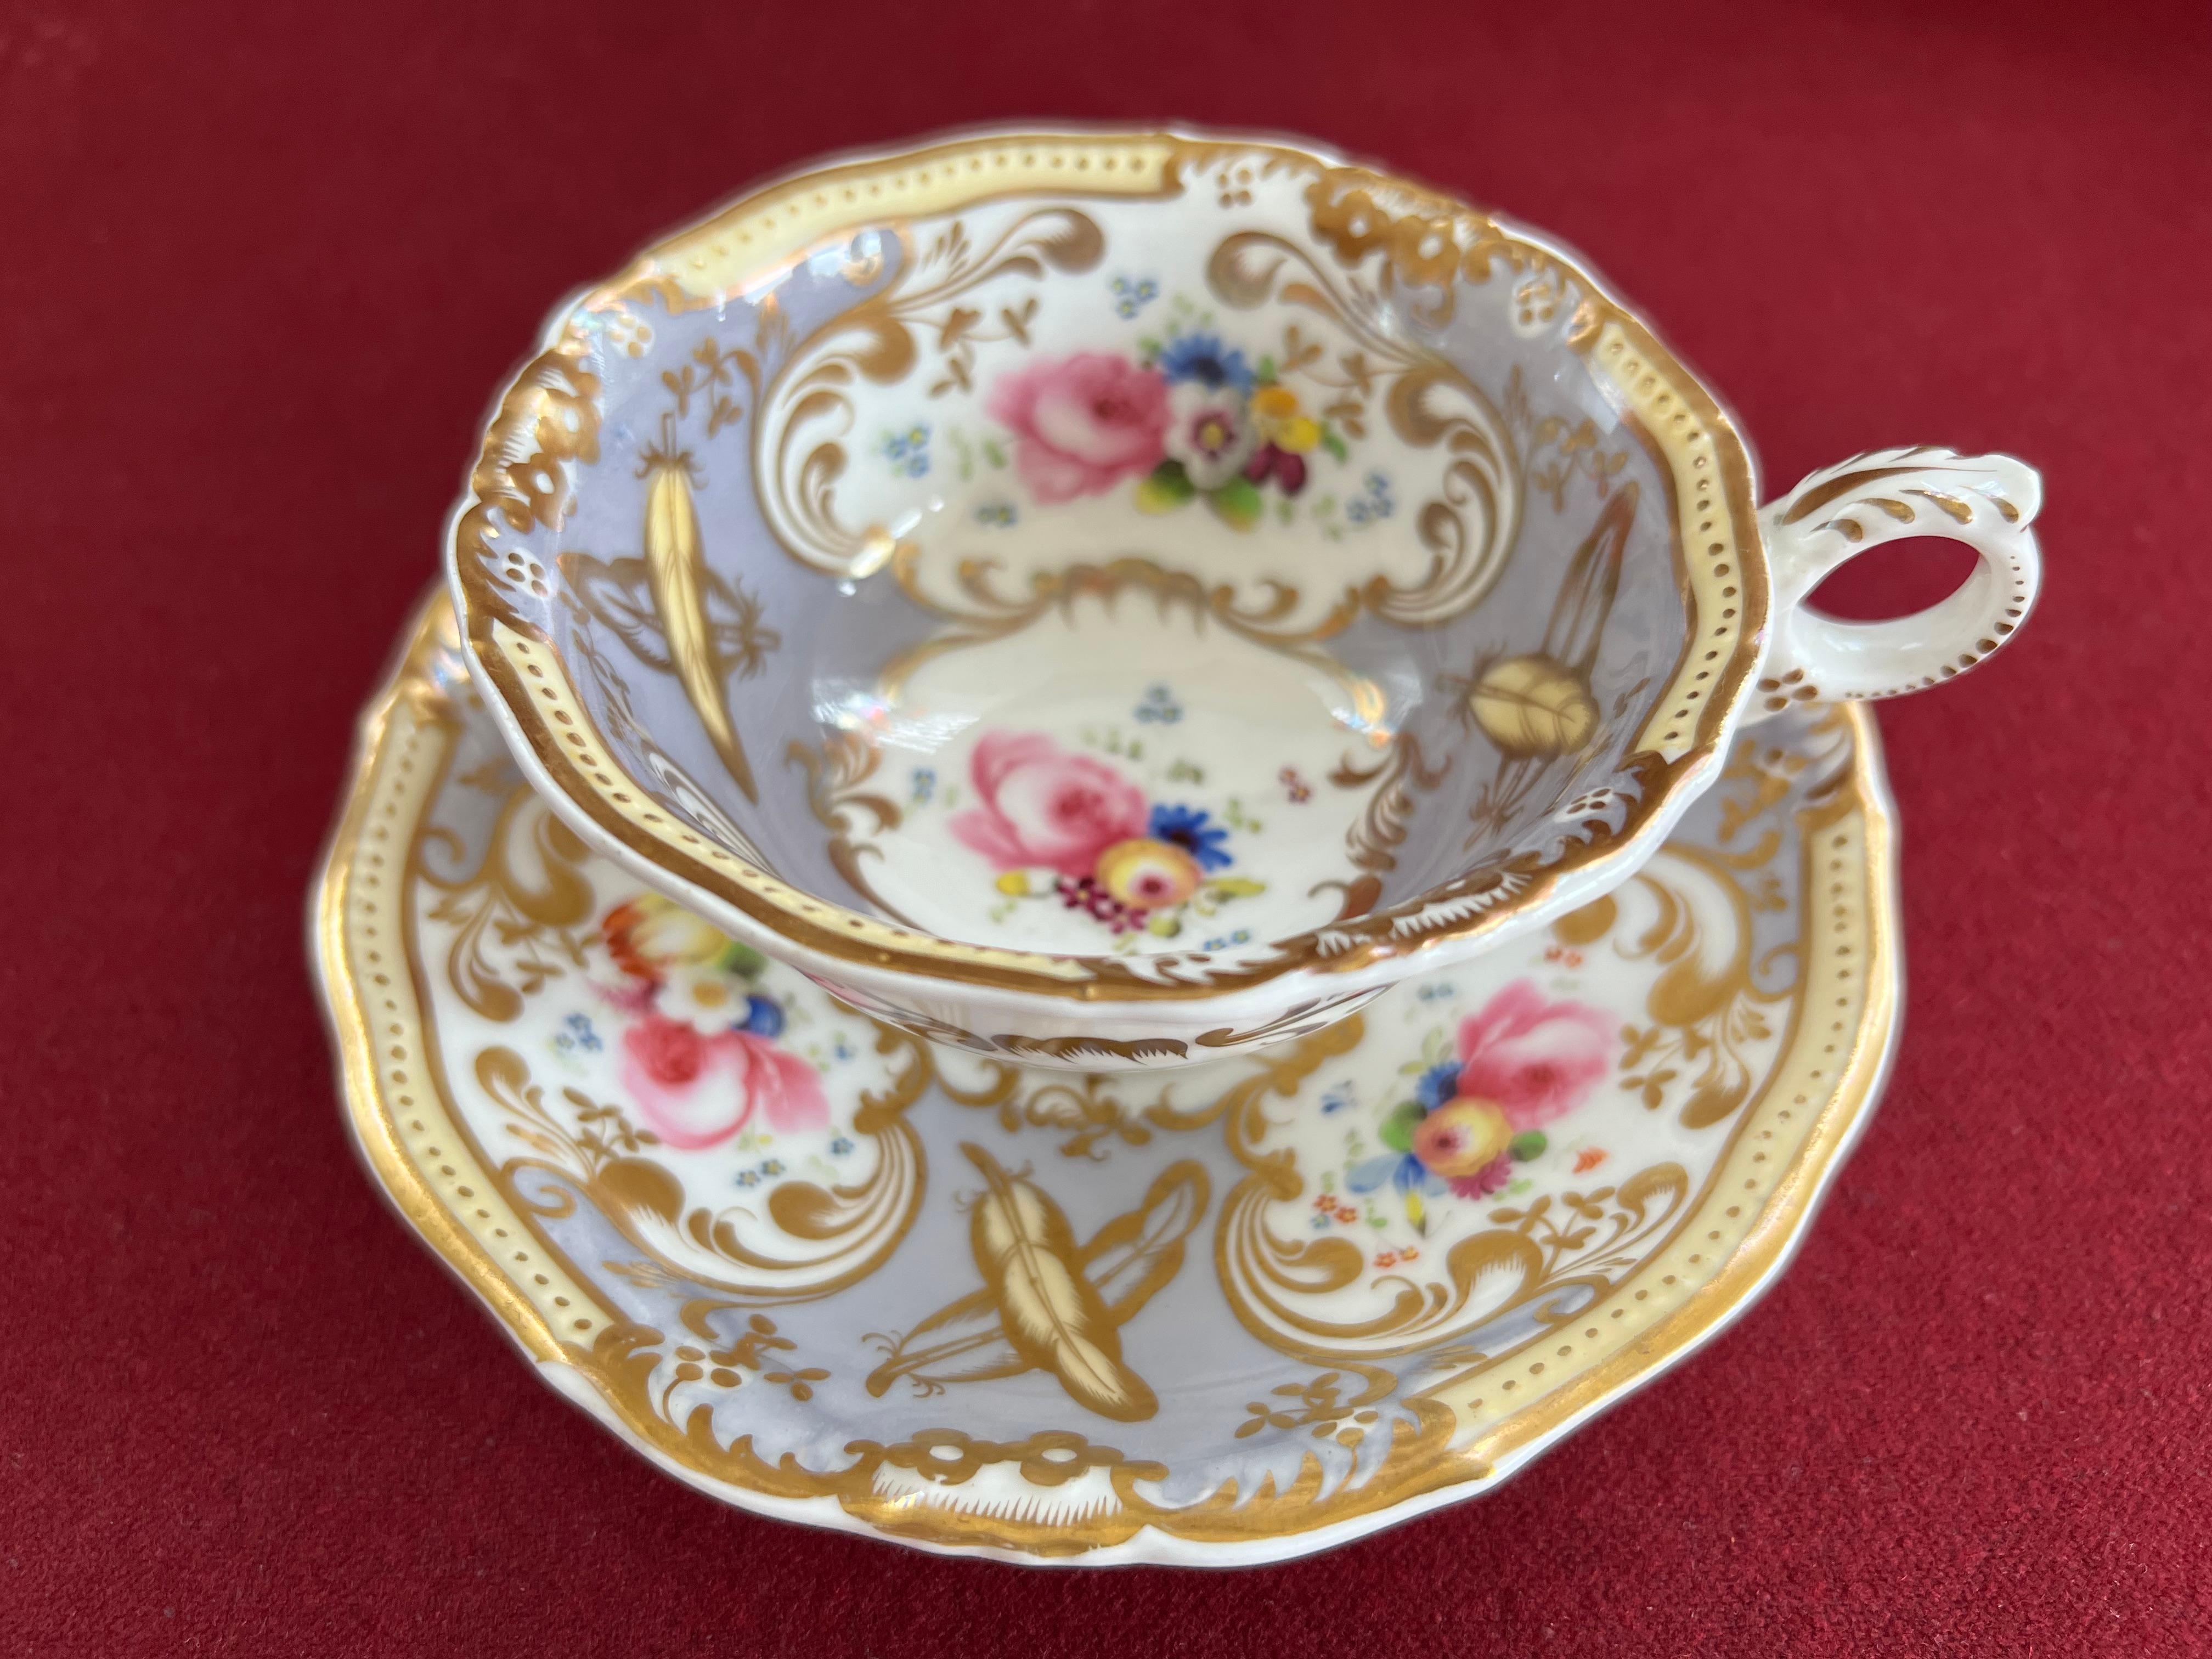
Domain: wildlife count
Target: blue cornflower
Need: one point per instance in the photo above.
(1203, 358)
(1192, 829)
(1439, 1083)
(1400, 1170)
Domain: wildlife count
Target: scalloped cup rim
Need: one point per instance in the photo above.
(775, 928)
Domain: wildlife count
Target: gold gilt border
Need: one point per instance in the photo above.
(548, 418)
(1468, 1429)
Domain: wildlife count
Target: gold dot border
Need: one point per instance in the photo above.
(413, 1115)
(716, 258)
(1712, 560)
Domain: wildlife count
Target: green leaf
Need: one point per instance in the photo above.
(1397, 1130)
(742, 960)
(1236, 503)
(992, 453)
(1265, 373)
(1166, 488)
(1236, 887)
(1528, 1145)
(1333, 443)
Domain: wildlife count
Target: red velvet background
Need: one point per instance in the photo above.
(263, 266)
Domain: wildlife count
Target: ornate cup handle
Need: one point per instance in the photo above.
(1987, 501)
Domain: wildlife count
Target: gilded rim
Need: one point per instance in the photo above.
(504, 648)
(1427, 1470)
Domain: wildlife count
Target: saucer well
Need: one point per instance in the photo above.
(819, 1269)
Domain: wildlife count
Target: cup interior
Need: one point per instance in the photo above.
(1173, 546)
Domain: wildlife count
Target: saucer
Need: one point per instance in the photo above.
(819, 1269)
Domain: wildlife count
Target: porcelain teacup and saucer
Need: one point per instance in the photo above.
(1128, 845)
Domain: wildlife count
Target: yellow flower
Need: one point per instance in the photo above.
(1147, 874)
(1460, 1138)
(1276, 412)
(649, 935)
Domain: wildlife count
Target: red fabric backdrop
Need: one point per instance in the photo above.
(264, 265)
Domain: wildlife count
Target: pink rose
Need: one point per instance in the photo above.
(1534, 1060)
(694, 1091)
(1043, 806)
(1082, 423)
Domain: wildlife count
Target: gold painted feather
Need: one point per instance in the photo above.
(1052, 1315)
(676, 567)
(1127, 1261)
(1138, 1252)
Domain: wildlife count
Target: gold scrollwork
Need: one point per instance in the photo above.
(716, 1362)
(1280, 1285)
(838, 1234)
(1428, 241)
(1704, 1015)
(1090, 1108)
(1468, 528)
(1276, 1284)
(1086, 1107)
(799, 449)
(701, 650)
(1382, 828)
(1708, 1009)
(622, 1360)
(1556, 451)
(836, 773)
(525, 912)
(1320, 1406)
(989, 616)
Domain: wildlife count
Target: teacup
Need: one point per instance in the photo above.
(1105, 598)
